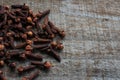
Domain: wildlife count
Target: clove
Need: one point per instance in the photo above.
(40, 40)
(2, 77)
(22, 34)
(43, 14)
(12, 65)
(60, 32)
(32, 76)
(1, 63)
(22, 69)
(45, 65)
(40, 46)
(34, 57)
(54, 54)
(20, 45)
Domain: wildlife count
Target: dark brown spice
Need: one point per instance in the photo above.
(28, 48)
(2, 77)
(40, 46)
(12, 65)
(22, 56)
(1, 63)
(40, 40)
(1, 72)
(54, 54)
(23, 34)
(22, 69)
(60, 32)
(45, 65)
(34, 56)
(21, 45)
(32, 76)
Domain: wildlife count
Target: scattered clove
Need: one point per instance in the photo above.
(22, 69)
(45, 65)
(1, 72)
(54, 54)
(34, 57)
(21, 45)
(2, 77)
(32, 76)
(1, 63)
(23, 34)
(12, 65)
(2, 47)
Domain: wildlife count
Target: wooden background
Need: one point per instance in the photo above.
(92, 43)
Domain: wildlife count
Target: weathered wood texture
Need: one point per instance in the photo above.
(92, 43)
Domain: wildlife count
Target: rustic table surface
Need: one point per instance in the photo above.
(92, 42)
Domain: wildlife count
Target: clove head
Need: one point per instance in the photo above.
(2, 47)
(1, 63)
(28, 48)
(29, 19)
(29, 42)
(30, 33)
(47, 65)
(20, 69)
(54, 44)
(60, 46)
(25, 78)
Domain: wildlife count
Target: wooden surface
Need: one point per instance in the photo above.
(92, 43)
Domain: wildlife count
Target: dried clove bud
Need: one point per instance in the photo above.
(2, 47)
(1, 72)
(53, 44)
(2, 53)
(2, 77)
(34, 57)
(29, 19)
(43, 14)
(60, 46)
(12, 65)
(28, 48)
(21, 45)
(60, 32)
(28, 27)
(1, 63)
(54, 54)
(24, 36)
(40, 46)
(22, 33)
(40, 40)
(22, 56)
(22, 69)
(30, 33)
(29, 42)
(32, 76)
(45, 65)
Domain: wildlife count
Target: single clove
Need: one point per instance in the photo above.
(22, 69)
(43, 14)
(32, 76)
(20, 45)
(2, 77)
(60, 32)
(12, 65)
(1, 63)
(34, 56)
(40, 40)
(45, 65)
(40, 46)
(54, 54)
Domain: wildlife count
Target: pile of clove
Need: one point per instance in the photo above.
(25, 36)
